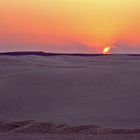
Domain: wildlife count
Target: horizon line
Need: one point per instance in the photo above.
(43, 53)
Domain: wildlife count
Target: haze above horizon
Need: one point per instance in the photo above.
(70, 26)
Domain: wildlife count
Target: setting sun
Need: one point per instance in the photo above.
(107, 50)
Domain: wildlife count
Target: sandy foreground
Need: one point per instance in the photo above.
(70, 97)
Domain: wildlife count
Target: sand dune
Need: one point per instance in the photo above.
(33, 127)
(74, 90)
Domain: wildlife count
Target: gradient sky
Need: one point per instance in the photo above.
(70, 25)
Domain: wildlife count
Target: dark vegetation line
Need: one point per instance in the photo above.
(47, 54)
(41, 53)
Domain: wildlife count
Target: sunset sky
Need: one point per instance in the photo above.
(85, 26)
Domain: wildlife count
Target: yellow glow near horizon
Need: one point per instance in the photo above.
(107, 50)
(95, 23)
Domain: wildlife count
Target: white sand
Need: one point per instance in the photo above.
(100, 90)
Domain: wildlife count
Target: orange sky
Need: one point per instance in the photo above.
(70, 25)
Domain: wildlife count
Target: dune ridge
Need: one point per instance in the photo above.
(32, 126)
